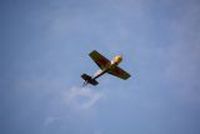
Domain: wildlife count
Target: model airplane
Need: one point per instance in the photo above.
(106, 66)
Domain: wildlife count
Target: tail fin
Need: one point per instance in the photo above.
(89, 79)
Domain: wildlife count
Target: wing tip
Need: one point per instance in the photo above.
(92, 52)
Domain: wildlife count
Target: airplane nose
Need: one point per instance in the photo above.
(118, 59)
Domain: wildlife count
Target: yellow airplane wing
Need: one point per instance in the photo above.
(99, 59)
(120, 73)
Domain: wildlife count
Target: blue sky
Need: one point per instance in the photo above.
(44, 46)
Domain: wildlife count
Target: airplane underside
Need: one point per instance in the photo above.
(106, 66)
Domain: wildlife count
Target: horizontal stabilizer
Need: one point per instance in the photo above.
(89, 79)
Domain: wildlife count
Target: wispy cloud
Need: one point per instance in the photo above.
(82, 98)
(49, 120)
(79, 103)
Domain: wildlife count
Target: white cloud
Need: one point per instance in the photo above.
(82, 98)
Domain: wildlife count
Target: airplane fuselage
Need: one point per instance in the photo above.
(111, 65)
